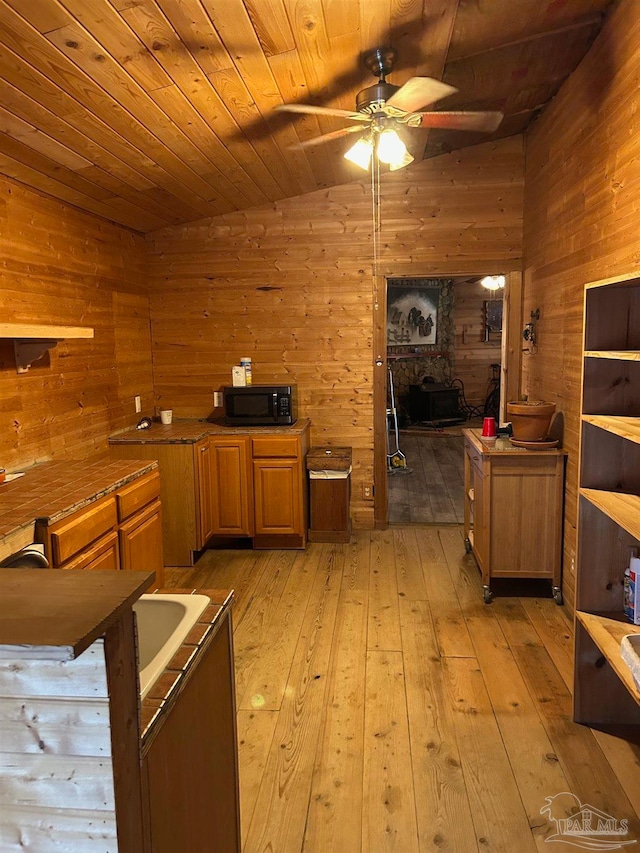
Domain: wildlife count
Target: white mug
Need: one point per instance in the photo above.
(166, 416)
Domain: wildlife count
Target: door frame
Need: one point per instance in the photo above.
(510, 370)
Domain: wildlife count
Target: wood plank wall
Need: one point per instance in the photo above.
(56, 770)
(473, 356)
(60, 265)
(580, 220)
(290, 285)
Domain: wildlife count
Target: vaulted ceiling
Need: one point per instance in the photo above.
(157, 112)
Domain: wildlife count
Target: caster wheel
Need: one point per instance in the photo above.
(487, 595)
(467, 546)
(557, 595)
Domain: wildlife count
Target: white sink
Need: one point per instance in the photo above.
(163, 623)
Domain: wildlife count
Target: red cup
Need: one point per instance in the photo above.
(489, 427)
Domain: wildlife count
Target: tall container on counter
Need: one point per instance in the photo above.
(246, 363)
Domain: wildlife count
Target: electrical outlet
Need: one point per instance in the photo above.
(138, 403)
(367, 491)
(217, 399)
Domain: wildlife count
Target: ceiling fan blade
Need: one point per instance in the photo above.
(418, 92)
(482, 121)
(326, 137)
(322, 111)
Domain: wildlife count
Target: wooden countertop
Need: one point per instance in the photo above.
(53, 490)
(190, 432)
(56, 615)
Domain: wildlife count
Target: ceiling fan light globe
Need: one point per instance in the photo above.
(360, 153)
(400, 164)
(391, 149)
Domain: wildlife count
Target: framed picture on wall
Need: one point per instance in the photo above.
(412, 315)
(493, 320)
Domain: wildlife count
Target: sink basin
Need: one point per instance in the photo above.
(163, 623)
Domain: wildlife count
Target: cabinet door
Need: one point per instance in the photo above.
(204, 494)
(481, 519)
(231, 486)
(278, 496)
(102, 555)
(141, 542)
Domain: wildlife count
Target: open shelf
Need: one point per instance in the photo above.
(607, 630)
(628, 428)
(41, 331)
(32, 340)
(623, 509)
(617, 355)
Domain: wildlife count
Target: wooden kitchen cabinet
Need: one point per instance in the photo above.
(513, 506)
(140, 526)
(203, 494)
(225, 482)
(231, 486)
(102, 555)
(279, 490)
(185, 490)
(66, 539)
(122, 530)
(277, 497)
(140, 540)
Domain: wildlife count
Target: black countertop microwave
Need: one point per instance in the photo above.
(260, 405)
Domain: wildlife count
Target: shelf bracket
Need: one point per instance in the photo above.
(28, 350)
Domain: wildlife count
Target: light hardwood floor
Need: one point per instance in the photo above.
(383, 707)
(433, 492)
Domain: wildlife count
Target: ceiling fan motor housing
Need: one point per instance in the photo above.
(372, 99)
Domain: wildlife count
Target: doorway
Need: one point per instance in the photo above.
(431, 368)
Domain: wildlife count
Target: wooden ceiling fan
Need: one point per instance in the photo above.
(385, 108)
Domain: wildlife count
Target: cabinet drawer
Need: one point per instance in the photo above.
(74, 534)
(137, 495)
(475, 460)
(282, 447)
(102, 555)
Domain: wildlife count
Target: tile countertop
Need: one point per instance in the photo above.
(191, 431)
(171, 683)
(53, 490)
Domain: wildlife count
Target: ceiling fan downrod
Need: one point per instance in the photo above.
(380, 63)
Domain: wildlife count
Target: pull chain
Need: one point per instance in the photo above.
(376, 224)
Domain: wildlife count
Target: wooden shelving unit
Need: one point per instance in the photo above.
(609, 501)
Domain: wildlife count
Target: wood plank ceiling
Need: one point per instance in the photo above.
(158, 112)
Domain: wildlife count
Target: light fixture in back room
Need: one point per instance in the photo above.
(493, 282)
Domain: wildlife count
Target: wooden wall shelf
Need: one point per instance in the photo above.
(32, 340)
